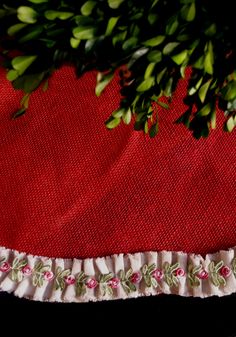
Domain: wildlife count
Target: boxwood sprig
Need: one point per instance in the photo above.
(152, 43)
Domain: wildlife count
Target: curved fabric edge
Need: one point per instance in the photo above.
(118, 276)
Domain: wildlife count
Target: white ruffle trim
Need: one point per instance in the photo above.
(117, 276)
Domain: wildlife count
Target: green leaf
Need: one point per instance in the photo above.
(102, 82)
(161, 75)
(205, 110)
(26, 14)
(172, 26)
(203, 91)
(163, 105)
(188, 12)
(170, 47)
(111, 25)
(13, 30)
(113, 122)
(84, 33)
(154, 283)
(74, 42)
(146, 84)
(155, 41)
(127, 116)
(114, 4)
(21, 63)
(149, 70)
(230, 124)
(180, 58)
(229, 91)
(53, 15)
(154, 56)
(32, 35)
(12, 75)
(209, 59)
(153, 130)
(88, 7)
(130, 43)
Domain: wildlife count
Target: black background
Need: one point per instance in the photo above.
(161, 316)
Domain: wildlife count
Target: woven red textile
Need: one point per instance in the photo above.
(71, 188)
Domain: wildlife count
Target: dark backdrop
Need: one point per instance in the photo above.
(162, 316)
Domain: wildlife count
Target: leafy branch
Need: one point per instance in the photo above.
(151, 43)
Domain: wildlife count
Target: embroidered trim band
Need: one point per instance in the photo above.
(117, 276)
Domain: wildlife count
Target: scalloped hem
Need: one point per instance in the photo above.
(118, 276)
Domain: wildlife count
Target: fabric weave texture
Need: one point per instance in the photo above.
(71, 188)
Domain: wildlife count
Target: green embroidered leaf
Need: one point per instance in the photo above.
(175, 281)
(222, 281)
(104, 278)
(174, 267)
(166, 267)
(151, 268)
(80, 289)
(126, 287)
(122, 275)
(196, 269)
(215, 280)
(148, 280)
(131, 286)
(234, 266)
(144, 269)
(212, 267)
(129, 273)
(219, 265)
(154, 283)
(168, 280)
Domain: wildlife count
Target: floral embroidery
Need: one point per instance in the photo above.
(17, 269)
(218, 273)
(234, 267)
(60, 278)
(149, 275)
(126, 281)
(39, 272)
(27, 270)
(114, 283)
(170, 274)
(5, 266)
(203, 274)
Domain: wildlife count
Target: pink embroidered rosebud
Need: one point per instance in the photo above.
(225, 271)
(203, 274)
(114, 283)
(136, 277)
(91, 283)
(5, 266)
(179, 272)
(48, 275)
(158, 274)
(27, 270)
(70, 279)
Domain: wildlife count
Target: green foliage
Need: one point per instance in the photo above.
(151, 42)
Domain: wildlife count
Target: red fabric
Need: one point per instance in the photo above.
(71, 188)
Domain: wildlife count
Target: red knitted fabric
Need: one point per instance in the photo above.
(71, 188)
